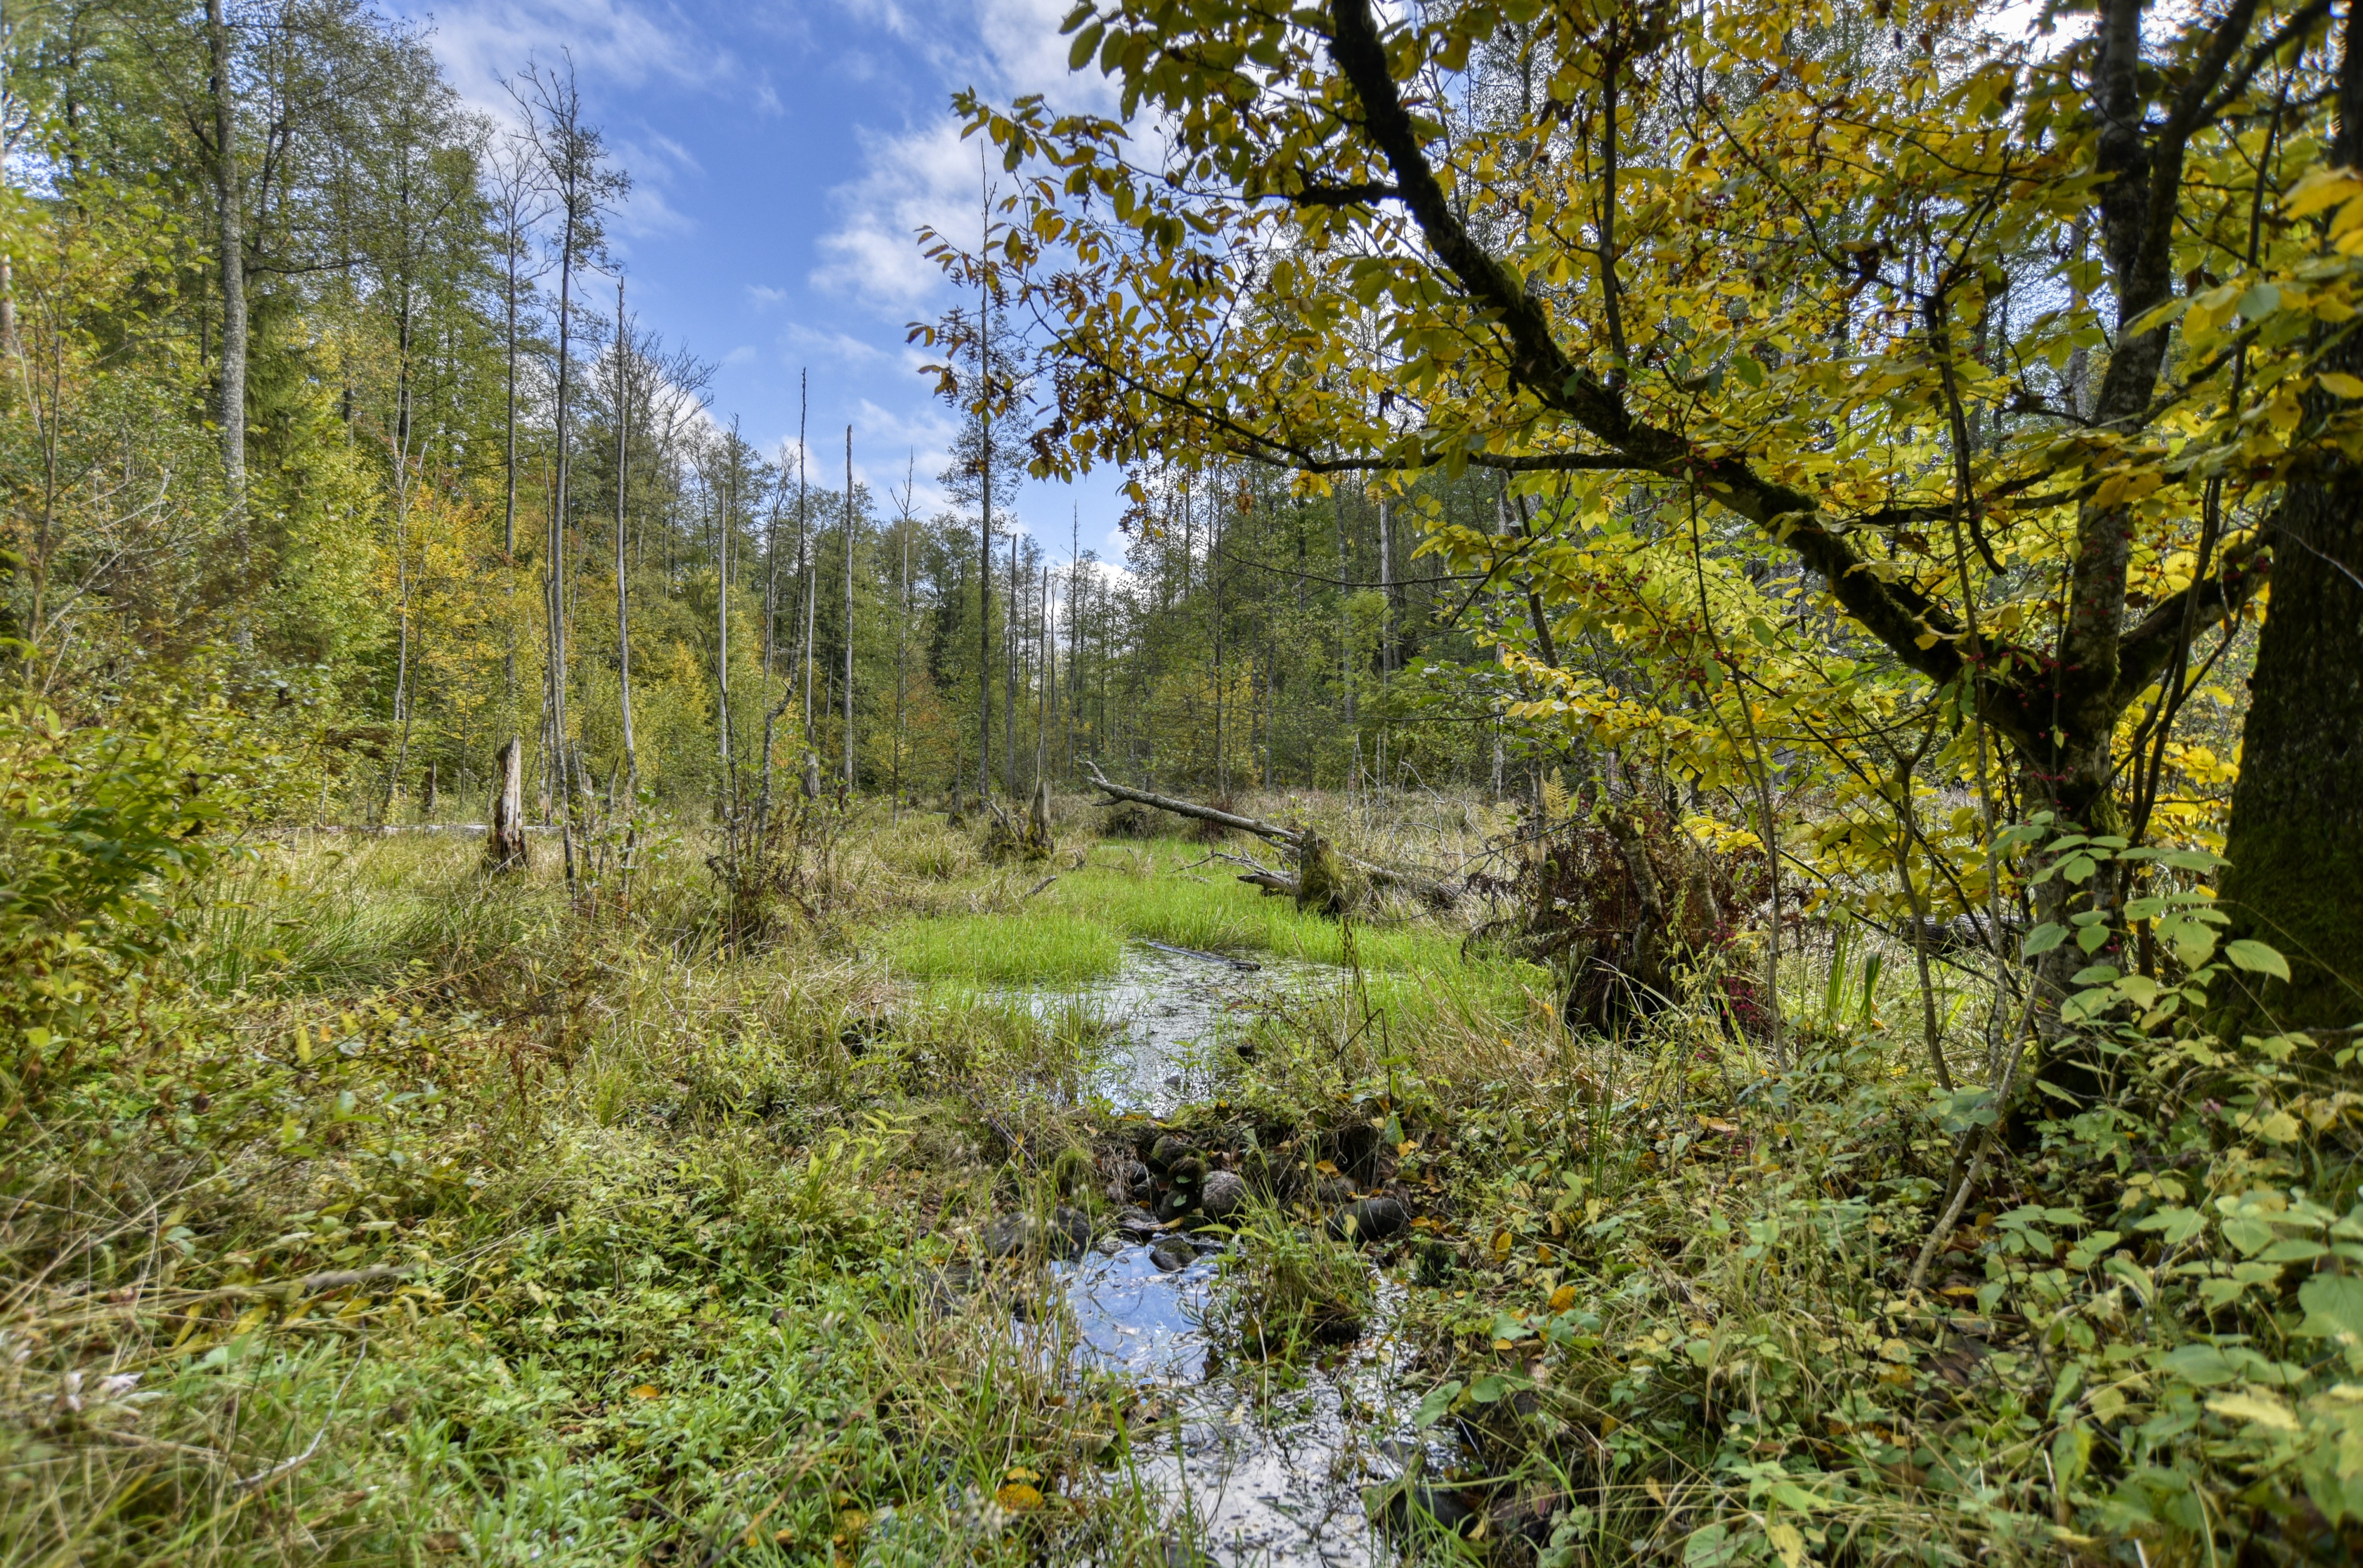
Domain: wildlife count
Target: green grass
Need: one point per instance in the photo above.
(1042, 947)
(1209, 908)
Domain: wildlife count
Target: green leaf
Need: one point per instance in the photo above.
(2175, 1225)
(1439, 1399)
(2250, 1235)
(2334, 1306)
(2043, 938)
(2257, 958)
(2071, 1454)
(2202, 1365)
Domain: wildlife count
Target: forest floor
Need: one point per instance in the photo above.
(430, 1222)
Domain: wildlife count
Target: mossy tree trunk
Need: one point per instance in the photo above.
(2296, 836)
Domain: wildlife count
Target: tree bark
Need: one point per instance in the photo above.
(505, 846)
(230, 224)
(2296, 837)
(622, 594)
(848, 608)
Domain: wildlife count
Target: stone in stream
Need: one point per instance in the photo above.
(1135, 1183)
(1173, 1253)
(1067, 1236)
(1371, 1220)
(1405, 1504)
(1174, 1205)
(1111, 1244)
(1071, 1232)
(1138, 1223)
(1222, 1195)
(1169, 1151)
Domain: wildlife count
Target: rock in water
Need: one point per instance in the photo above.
(1070, 1234)
(1371, 1219)
(1008, 1236)
(1067, 1236)
(1222, 1195)
(1172, 1254)
(1136, 1222)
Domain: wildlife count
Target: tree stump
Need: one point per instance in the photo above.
(1040, 845)
(505, 846)
(1321, 885)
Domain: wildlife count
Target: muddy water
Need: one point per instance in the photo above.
(1265, 1465)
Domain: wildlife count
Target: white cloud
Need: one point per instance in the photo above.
(926, 175)
(804, 342)
(617, 42)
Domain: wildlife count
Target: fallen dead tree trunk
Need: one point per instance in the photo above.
(1310, 851)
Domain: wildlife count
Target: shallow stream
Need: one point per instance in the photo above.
(1268, 1464)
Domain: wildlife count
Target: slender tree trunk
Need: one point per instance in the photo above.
(803, 568)
(631, 769)
(560, 764)
(725, 516)
(848, 608)
(902, 647)
(984, 528)
(1009, 674)
(1214, 635)
(230, 227)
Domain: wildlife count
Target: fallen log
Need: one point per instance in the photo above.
(1294, 840)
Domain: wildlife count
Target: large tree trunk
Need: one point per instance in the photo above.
(2296, 836)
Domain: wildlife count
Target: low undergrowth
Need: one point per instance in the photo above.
(387, 1213)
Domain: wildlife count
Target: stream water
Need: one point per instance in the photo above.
(1266, 1466)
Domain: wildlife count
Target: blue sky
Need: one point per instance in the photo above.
(784, 151)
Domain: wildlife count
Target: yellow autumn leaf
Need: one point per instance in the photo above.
(2260, 1409)
(1018, 1498)
(2324, 188)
